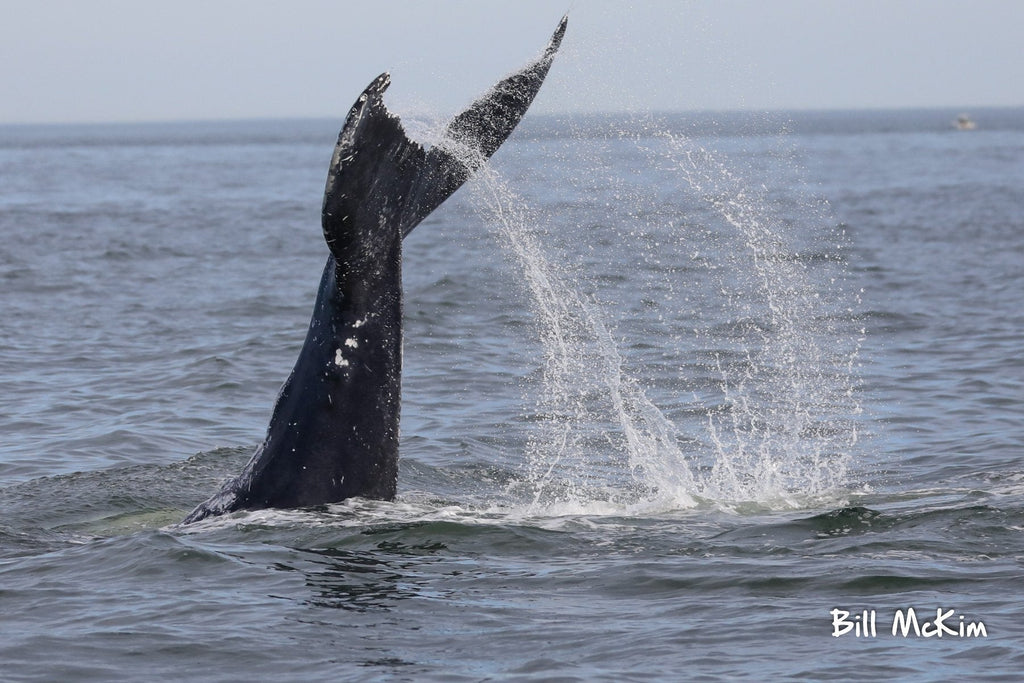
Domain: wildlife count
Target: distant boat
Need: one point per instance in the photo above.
(964, 122)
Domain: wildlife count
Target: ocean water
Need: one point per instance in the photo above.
(691, 397)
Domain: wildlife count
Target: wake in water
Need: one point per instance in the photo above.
(776, 409)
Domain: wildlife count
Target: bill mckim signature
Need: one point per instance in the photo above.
(907, 623)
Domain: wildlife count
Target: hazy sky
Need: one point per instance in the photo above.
(130, 60)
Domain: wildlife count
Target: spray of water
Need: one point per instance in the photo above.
(775, 430)
(783, 429)
(573, 458)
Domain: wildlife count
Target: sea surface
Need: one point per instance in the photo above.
(686, 397)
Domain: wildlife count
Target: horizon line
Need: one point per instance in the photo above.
(542, 114)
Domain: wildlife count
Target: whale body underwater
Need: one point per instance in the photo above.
(333, 433)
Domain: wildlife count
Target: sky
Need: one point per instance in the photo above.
(134, 60)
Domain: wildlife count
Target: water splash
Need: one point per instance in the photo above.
(784, 426)
(776, 404)
(573, 456)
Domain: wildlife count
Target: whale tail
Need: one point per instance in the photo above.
(334, 430)
(379, 177)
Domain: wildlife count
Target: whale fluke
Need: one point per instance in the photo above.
(334, 430)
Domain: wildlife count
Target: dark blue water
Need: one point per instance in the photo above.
(676, 388)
